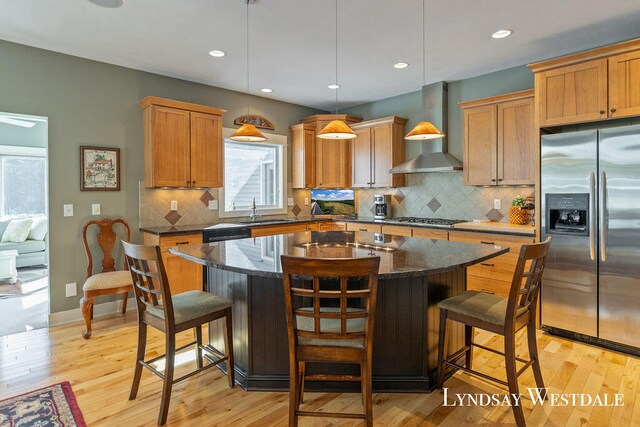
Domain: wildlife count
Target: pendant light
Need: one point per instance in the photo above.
(336, 129)
(424, 130)
(248, 132)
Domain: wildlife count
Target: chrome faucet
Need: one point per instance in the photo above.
(254, 214)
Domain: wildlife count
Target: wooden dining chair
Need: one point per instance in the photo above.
(320, 331)
(502, 316)
(109, 281)
(171, 315)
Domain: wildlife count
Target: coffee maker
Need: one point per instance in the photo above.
(382, 206)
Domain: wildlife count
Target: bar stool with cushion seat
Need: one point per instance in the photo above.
(502, 316)
(172, 314)
(325, 332)
(109, 281)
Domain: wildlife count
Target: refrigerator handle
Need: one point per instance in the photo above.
(592, 216)
(603, 216)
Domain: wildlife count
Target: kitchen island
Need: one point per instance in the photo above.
(415, 274)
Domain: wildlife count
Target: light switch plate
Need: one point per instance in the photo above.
(306, 201)
(497, 204)
(68, 210)
(95, 209)
(290, 201)
(71, 289)
(174, 205)
(213, 205)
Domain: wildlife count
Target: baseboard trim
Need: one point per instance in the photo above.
(99, 310)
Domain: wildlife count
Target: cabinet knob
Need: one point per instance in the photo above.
(602, 111)
(193, 182)
(499, 179)
(493, 180)
(613, 110)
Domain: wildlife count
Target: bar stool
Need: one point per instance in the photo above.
(502, 316)
(322, 332)
(171, 315)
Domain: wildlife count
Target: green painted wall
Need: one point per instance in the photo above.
(92, 103)
(409, 105)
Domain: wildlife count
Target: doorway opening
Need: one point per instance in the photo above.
(24, 225)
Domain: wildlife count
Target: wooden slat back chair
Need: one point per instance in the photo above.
(171, 315)
(325, 333)
(503, 316)
(109, 281)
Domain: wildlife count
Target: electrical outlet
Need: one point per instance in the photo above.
(306, 201)
(174, 205)
(290, 201)
(71, 289)
(497, 204)
(213, 205)
(95, 209)
(68, 210)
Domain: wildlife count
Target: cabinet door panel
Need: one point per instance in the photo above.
(170, 136)
(183, 275)
(362, 157)
(333, 163)
(382, 158)
(303, 157)
(207, 155)
(624, 85)
(480, 139)
(516, 142)
(573, 94)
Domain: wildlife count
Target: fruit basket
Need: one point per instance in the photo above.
(519, 212)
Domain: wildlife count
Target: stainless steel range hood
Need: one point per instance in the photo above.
(433, 156)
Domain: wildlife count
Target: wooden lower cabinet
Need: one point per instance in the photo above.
(430, 233)
(314, 226)
(183, 275)
(278, 229)
(397, 230)
(333, 226)
(367, 228)
(494, 275)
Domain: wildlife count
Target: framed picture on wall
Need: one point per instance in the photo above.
(99, 168)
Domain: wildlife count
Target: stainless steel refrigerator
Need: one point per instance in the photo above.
(591, 207)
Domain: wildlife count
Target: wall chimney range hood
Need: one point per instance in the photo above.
(433, 156)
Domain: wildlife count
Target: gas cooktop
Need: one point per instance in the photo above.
(439, 222)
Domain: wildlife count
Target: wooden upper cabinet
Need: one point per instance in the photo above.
(316, 162)
(183, 144)
(378, 147)
(361, 166)
(207, 154)
(598, 84)
(624, 85)
(573, 94)
(516, 142)
(499, 140)
(303, 156)
(480, 142)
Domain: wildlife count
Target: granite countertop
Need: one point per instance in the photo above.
(399, 256)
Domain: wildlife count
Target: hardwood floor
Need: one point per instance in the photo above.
(100, 371)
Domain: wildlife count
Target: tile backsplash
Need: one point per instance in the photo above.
(442, 195)
(431, 195)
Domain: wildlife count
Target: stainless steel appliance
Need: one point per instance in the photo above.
(591, 208)
(220, 232)
(382, 206)
(434, 222)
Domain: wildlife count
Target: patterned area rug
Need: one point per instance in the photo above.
(50, 406)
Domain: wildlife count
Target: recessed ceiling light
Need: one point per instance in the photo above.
(217, 53)
(333, 86)
(401, 65)
(112, 4)
(500, 34)
(266, 90)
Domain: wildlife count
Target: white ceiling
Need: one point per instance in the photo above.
(292, 41)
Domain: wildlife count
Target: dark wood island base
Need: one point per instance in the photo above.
(412, 282)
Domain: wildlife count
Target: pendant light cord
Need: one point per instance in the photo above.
(248, 96)
(424, 48)
(337, 89)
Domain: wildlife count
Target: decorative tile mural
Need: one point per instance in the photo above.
(442, 195)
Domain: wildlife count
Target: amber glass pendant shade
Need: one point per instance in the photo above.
(336, 129)
(424, 130)
(248, 133)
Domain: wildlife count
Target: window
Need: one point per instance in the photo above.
(254, 170)
(23, 184)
